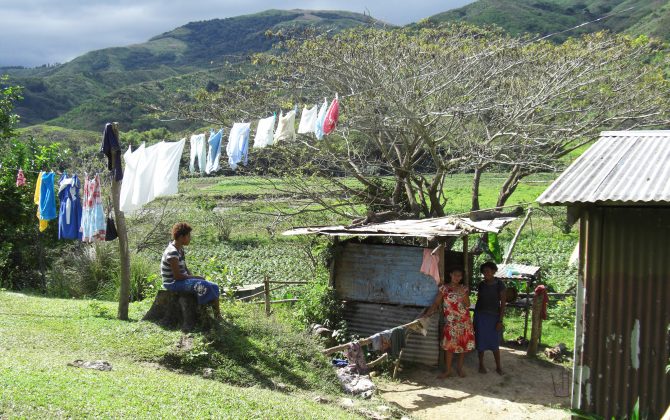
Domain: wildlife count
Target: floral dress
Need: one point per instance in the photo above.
(458, 335)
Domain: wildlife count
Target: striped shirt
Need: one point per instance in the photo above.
(166, 270)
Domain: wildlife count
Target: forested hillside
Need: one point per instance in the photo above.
(648, 17)
(95, 78)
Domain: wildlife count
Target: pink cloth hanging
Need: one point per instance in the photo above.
(431, 265)
(20, 179)
(331, 116)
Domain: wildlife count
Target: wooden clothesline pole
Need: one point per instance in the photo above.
(366, 341)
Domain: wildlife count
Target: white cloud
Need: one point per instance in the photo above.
(35, 32)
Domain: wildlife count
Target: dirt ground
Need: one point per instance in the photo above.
(526, 391)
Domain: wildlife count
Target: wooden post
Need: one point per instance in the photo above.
(466, 266)
(508, 254)
(124, 253)
(536, 326)
(266, 287)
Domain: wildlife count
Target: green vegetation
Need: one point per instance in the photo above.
(647, 17)
(152, 377)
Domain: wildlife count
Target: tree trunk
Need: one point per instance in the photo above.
(124, 254)
(509, 186)
(476, 179)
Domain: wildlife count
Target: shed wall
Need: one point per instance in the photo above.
(623, 318)
(383, 274)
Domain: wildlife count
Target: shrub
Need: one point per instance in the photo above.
(145, 280)
(83, 269)
(318, 302)
(563, 313)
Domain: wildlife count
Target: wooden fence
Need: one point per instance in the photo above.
(266, 293)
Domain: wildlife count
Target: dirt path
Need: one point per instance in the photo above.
(526, 391)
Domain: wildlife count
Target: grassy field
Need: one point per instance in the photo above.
(150, 377)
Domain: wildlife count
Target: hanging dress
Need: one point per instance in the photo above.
(93, 224)
(20, 179)
(69, 219)
(36, 199)
(47, 197)
(458, 335)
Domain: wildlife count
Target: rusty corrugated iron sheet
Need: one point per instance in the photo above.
(425, 228)
(622, 342)
(366, 319)
(621, 167)
(383, 274)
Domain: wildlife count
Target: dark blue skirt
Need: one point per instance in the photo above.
(204, 290)
(486, 336)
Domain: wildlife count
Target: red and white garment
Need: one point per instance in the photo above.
(93, 223)
(331, 116)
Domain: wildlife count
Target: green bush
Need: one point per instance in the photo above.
(318, 302)
(563, 313)
(145, 280)
(84, 270)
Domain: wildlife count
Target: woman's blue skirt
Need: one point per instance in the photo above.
(486, 336)
(204, 290)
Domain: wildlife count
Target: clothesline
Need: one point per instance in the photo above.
(368, 340)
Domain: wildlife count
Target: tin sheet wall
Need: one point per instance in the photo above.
(366, 319)
(623, 332)
(383, 274)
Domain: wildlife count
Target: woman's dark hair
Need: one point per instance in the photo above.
(460, 270)
(488, 264)
(180, 229)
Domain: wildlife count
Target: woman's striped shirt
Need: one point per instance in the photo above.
(166, 270)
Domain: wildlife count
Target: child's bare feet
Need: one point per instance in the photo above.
(482, 369)
(444, 375)
(461, 373)
(499, 371)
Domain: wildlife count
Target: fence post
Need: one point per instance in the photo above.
(536, 326)
(266, 287)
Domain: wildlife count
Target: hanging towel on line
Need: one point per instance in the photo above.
(430, 265)
(47, 197)
(214, 154)
(320, 118)
(131, 160)
(285, 127)
(199, 152)
(238, 144)
(307, 120)
(331, 116)
(265, 132)
(36, 199)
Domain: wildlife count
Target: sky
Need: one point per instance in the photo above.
(35, 32)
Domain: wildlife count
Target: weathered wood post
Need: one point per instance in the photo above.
(266, 287)
(536, 326)
(124, 253)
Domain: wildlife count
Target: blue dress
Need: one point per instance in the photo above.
(69, 219)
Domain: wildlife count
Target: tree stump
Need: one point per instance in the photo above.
(175, 309)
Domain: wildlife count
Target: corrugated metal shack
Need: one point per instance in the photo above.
(619, 189)
(381, 283)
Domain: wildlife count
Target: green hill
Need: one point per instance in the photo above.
(53, 91)
(648, 17)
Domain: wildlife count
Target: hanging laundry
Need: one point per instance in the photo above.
(320, 119)
(265, 132)
(110, 231)
(131, 160)
(69, 219)
(47, 197)
(331, 116)
(20, 179)
(198, 151)
(356, 358)
(214, 153)
(166, 168)
(143, 189)
(307, 120)
(112, 149)
(285, 127)
(238, 144)
(36, 199)
(431, 265)
(93, 226)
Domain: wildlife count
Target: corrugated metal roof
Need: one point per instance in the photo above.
(438, 226)
(516, 271)
(621, 167)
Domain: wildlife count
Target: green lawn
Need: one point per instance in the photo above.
(39, 336)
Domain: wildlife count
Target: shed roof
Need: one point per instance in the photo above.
(622, 167)
(516, 271)
(438, 226)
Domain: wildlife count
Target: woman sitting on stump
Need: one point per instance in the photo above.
(178, 278)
